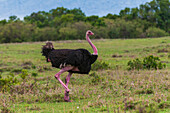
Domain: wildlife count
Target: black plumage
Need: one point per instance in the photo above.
(70, 60)
(59, 58)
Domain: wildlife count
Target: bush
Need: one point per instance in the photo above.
(46, 33)
(81, 28)
(16, 32)
(121, 28)
(135, 64)
(5, 83)
(149, 62)
(67, 33)
(155, 32)
(152, 62)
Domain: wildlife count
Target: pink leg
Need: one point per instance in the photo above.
(57, 76)
(68, 78)
(66, 96)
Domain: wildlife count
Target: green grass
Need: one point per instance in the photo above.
(109, 90)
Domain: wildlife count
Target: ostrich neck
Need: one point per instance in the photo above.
(92, 45)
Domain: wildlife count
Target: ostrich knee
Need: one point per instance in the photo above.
(57, 76)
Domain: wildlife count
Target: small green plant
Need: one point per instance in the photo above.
(164, 105)
(33, 66)
(169, 56)
(149, 62)
(23, 74)
(34, 74)
(145, 91)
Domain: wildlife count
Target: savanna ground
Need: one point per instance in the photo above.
(111, 88)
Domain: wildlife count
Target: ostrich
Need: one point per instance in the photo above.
(70, 60)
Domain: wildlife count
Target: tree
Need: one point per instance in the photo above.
(67, 18)
(3, 22)
(157, 12)
(95, 20)
(78, 14)
(134, 13)
(59, 11)
(76, 11)
(124, 12)
(41, 18)
(13, 18)
(164, 15)
(110, 16)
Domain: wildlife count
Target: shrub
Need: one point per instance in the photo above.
(5, 83)
(135, 64)
(155, 32)
(16, 32)
(67, 33)
(46, 33)
(121, 28)
(149, 62)
(81, 28)
(152, 62)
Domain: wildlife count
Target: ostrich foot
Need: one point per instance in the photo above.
(66, 97)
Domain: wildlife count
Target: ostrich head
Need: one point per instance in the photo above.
(89, 33)
(48, 45)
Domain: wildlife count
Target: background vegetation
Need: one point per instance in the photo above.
(151, 19)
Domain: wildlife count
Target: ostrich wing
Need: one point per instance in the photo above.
(59, 56)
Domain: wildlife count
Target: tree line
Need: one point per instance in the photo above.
(151, 19)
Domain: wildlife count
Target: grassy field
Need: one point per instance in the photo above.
(33, 88)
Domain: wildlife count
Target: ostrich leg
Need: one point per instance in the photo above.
(57, 76)
(68, 78)
(66, 96)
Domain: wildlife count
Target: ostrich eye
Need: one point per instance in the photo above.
(89, 32)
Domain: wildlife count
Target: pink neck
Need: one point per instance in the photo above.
(92, 45)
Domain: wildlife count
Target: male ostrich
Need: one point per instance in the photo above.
(70, 60)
